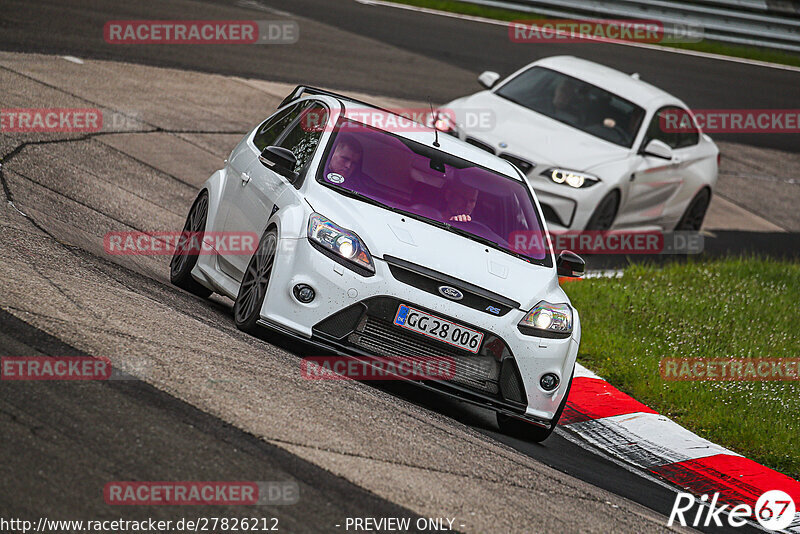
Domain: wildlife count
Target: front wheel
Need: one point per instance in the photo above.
(605, 213)
(695, 214)
(528, 431)
(247, 308)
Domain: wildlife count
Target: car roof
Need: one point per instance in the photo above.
(637, 91)
(354, 108)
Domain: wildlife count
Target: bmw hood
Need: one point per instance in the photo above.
(386, 233)
(529, 135)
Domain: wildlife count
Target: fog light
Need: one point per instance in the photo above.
(304, 293)
(549, 382)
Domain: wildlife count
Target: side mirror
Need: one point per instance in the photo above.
(658, 149)
(280, 160)
(570, 264)
(488, 79)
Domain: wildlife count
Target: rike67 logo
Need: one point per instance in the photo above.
(774, 510)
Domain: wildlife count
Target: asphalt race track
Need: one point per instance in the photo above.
(212, 402)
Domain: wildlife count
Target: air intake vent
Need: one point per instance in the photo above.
(523, 165)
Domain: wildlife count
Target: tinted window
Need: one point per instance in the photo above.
(272, 128)
(302, 139)
(576, 103)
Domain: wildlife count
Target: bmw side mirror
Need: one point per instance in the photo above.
(280, 160)
(570, 264)
(658, 149)
(488, 79)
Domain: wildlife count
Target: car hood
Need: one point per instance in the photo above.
(533, 136)
(387, 233)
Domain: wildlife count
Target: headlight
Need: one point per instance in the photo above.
(548, 320)
(342, 245)
(572, 178)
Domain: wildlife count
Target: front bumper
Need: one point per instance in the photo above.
(362, 309)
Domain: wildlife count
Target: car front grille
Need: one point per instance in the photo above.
(369, 327)
(385, 339)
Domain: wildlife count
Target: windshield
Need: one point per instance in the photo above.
(433, 186)
(575, 103)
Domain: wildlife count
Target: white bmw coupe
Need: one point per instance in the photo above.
(378, 243)
(603, 149)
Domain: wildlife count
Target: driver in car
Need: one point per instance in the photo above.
(460, 201)
(346, 158)
(565, 102)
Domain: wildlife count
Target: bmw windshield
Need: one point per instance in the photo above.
(575, 103)
(438, 188)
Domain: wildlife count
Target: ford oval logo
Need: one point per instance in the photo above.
(451, 293)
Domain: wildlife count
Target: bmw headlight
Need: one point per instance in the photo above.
(342, 245)
(571, 178)
(548, 320)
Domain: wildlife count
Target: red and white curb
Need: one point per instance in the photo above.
(627, 429)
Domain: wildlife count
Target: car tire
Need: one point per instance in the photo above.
(605, 213)
(253, 289)
(692, 219)
(182, 263)
(528, 431)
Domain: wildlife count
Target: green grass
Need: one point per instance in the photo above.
(743, 308)
(713, 47)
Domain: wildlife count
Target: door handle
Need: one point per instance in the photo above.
(245, 178)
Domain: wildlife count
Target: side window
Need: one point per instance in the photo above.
(674, 126)
(269, 132)
(662, 128)
(690, 135)
(302, 138)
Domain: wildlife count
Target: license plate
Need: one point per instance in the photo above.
(438, 328)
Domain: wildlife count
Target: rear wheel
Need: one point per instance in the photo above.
(528, 431)
(605, 213)
(247, 308)
(692, 219)
(184, 258)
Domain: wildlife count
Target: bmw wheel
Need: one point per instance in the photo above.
(247, 308)
(692, 219)
(184, 260)
(605, 212)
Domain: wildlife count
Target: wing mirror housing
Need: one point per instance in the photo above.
(570, 265)
(280, 160)
(658, 149)
(488, 79)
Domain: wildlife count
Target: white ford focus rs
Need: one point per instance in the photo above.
(602, 149)
(382, 244)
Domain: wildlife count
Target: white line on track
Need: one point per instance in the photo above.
(494, 22)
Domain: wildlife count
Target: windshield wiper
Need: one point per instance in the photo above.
(485, 241)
